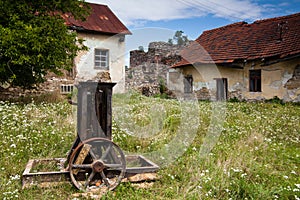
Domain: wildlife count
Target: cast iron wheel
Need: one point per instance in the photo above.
(97, 163)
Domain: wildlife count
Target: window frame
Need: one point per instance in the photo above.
(98, 58)
(255, 83)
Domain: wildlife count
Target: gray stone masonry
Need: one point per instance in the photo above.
(151, 68)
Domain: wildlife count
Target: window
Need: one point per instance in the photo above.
(188, 84)
(66, 89)
(255, 80)
(101, 59)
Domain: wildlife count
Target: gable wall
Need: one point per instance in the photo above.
(84, 62)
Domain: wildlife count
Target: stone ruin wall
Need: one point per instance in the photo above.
(51, 85)
(149, 69)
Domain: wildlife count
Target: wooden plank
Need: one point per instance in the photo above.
(81, 156)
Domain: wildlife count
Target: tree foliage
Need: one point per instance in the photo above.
(34, 39)
(179, 38)
(141, 48)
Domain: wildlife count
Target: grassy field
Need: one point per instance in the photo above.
(205, 150)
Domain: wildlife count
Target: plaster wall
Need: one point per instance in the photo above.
(274, 79)
(84, 62)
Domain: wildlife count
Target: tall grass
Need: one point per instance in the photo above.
(256, 156)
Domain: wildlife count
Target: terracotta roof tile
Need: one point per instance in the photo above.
(272, 37)
(101, 19)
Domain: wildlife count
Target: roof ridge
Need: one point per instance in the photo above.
(223, 27)
(277, 18)
(255, 22)
(228, 25)
(98, 4)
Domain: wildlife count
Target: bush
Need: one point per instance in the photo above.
(276, 100)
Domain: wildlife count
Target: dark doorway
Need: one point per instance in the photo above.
(188, 84)
(222, 89)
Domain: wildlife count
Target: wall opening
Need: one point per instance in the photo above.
(222, 89)
(188, 84)
(255, 80)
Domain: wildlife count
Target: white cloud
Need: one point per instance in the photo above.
(234, 9)
(133, 12)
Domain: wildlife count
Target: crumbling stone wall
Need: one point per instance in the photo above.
(293, 85)
(51, 85)
(151, 68)
(294, 82)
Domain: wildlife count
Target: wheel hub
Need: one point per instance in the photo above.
(98, 166)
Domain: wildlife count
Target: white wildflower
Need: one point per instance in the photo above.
(293, 172)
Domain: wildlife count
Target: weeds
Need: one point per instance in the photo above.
(257, 155)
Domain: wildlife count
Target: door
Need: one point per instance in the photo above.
(188, 84)
(222, 89)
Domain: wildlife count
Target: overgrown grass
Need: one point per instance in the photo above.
(256, 156)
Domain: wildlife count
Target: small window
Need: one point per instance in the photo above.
(101, 59)
(255, 80)
(66, 89)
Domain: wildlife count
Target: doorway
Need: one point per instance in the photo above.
(188, 84)
(222, 89)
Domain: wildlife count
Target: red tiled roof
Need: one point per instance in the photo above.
(101, 19)
(274, 37)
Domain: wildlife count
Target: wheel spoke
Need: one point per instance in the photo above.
(93, 155)
(105, 179)
(83, 166)
(91, 176)
(106, 152)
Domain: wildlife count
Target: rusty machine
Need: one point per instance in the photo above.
(94, 160)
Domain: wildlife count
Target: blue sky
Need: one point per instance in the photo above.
(157, 20)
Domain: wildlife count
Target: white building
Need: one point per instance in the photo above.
(104, 35)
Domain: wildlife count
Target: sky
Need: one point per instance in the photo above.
(157, 20)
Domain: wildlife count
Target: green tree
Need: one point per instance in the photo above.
(179, 38)
(170, 41)
(34, 39)
(141, 48)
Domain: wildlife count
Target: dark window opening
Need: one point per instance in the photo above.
(66, 89)
(255, 80)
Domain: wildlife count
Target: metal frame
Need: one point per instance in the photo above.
(30, 178)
